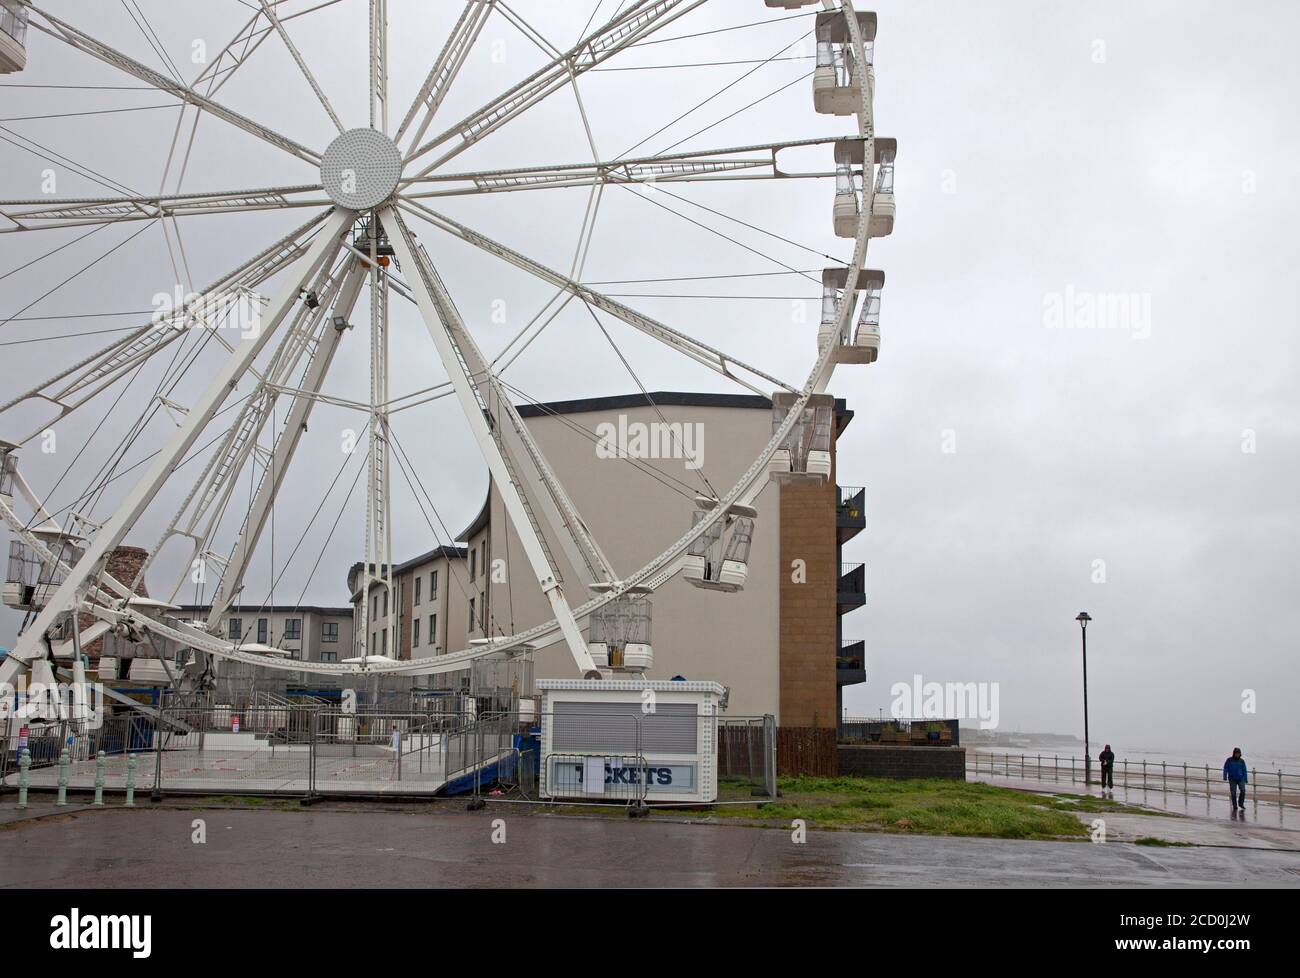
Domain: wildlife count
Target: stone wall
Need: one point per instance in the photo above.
(876, 761)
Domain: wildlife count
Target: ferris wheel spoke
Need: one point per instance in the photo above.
(79, 382)
(451, 340)
(240, 48)
(67, 594)
(232, 574)
(84, 42)
(756, 162)
(702, 353)
(268, 10)
(637, 22)
(198, 517)
(38, 215)
(378, 65)
(446, 68)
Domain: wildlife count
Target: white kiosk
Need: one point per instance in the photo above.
(634, 740)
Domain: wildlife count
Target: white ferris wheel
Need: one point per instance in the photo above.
(376, 188)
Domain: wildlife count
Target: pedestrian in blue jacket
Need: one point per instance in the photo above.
(1234, 772)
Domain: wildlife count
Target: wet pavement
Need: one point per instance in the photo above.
(1262, 807)
(1238, 832)
(144, 847)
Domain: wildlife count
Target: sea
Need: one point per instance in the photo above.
(1031, 745)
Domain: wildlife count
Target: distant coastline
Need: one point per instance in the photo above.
(974, 736)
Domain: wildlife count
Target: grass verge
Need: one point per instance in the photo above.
(922, 806)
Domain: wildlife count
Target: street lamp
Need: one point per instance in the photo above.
(1083, 618)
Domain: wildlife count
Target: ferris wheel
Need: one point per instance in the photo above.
(378, 183)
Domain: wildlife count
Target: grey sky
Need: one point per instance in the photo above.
(1045, 150)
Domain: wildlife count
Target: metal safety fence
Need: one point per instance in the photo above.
(266, 748)
(1167, 777)
(671, 755)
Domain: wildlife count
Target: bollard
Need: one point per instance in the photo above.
(130, 780)
(1164, 778)
(1207, 781)
(63, 777)
(24, 776)
(99, 779)
(1186, 790)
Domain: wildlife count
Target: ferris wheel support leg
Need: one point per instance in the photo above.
(432, 311)
(66, 597)
(299, 412)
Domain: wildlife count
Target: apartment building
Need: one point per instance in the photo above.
(430, 605)
(308, 633)
(779, 644)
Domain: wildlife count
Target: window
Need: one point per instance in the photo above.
(383, 645)
(433, 584)
(235, 628)
(329, 656)
(372, 643)
(374, 607)
(472, 619)
(433, 630)
(385, 603)
(482, 560)
(293, 629)
(329, 632)
(418, 581)
(261, 631)
(473, 557)
(482, 610)
(415, 632)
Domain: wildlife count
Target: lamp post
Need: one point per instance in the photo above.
(1083, 618)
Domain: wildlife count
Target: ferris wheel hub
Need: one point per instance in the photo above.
(361, 169)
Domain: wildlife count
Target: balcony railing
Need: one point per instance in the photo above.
(850, 663)
(851, 512)
(852, 589)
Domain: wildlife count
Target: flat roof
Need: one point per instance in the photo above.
(450, 553)
(665, 399)
(276, 609)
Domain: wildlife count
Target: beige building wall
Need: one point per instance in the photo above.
(698, 634)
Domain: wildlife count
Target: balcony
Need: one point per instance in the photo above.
(852, 589)
(850, 664)
(851, 513)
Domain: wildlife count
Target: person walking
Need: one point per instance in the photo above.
(1234, 772)
(1107, 758)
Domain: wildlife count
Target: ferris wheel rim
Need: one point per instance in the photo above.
(661, 568)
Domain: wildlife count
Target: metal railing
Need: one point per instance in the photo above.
(852, 654)
(900, 731)
(1178, 778)
(852, 503)
(272, 746)
(852, 584)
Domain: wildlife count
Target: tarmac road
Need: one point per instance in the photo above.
(114, 847)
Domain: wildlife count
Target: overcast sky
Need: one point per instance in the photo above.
(1020, 466)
